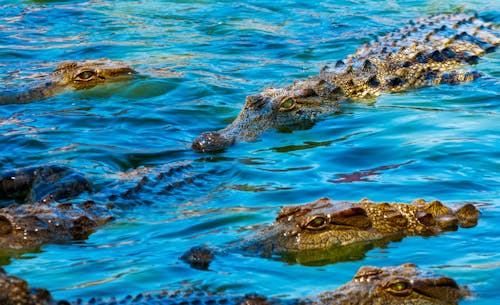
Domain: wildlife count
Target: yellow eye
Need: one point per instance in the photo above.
(400, 288)
(317, 223)
(85, 75)
(287, 104)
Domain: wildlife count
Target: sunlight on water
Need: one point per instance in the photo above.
(197, 60)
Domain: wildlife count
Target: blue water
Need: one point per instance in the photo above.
(200, 59)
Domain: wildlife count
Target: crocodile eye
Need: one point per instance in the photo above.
(399, 287)
(85, 75)
(317, 222)
(287, 104)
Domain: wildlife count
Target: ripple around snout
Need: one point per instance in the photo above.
(196, 63)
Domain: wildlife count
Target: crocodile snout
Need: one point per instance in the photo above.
(211, 142)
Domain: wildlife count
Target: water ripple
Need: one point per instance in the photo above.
(197, 60)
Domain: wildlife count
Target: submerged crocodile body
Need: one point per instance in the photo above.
(398, 285)
(74, 75)
(327, 230)
(426, 52)
(42, 205)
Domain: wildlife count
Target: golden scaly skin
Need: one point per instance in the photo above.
(427, 52)
(324, 224)
(76, 75)
(398, 285)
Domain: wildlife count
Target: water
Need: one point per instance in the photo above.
(200, 59)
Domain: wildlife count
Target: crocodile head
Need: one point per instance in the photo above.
(297, 105)
(75, 75)
(398, 285)
(90, 73)
(27, 227)
(325, 224)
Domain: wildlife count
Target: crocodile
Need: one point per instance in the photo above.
(327, 231)
(44, 183)
(27, 227)
(39, 209)
(76, 75)
(49, 203)
(426, 52)
(403, 284)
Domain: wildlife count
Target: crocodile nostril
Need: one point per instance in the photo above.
(211, 142)
(197, 144)
(198, 257)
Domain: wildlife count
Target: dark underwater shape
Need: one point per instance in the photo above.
(45, 183)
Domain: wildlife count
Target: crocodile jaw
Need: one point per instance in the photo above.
(249, 124)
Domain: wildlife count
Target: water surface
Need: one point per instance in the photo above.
(200, 59)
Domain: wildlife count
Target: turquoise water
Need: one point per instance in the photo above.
(200, 59)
